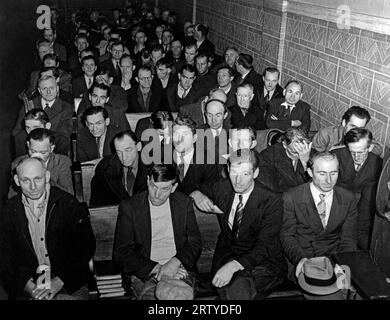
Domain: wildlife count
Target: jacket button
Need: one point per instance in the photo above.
(41, 239)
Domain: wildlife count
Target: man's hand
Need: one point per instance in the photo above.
(295, 123)
(56, 285)
(202, 202)
(299, 267)
(169, 269)
(225, 273)
(303, 148)
(181, 273)
(273, 117)
(156, 269)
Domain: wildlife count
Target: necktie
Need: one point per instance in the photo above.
(244, 111)
(358, 166)
(321, 207)
(266, 98)
(46, 107)
(238, 217)
(89, 82)
(181, 168)
(129, 178)
(98, 146)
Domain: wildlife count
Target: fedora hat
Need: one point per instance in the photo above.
(318, 276)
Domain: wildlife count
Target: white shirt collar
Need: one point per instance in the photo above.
(44, 102)
(187, 157)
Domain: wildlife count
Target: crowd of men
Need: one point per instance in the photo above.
(284, 205)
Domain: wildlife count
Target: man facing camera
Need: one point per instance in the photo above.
(157, 240)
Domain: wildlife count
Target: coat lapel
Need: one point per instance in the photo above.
(309, 210)
(144, 223)
(178, 215)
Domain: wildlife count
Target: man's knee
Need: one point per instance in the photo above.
(241, 287)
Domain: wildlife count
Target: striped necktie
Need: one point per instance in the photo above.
(321, 207)
(238, 217)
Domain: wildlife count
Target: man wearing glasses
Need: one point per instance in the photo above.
(183, 93)
(359, 172)
(245, 112)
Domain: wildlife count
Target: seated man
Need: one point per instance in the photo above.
(270, 90)
(59, 112)
(127, 67)
(120, 175)
(81, 85)
(100, 96)
(289, 111)
(184, 92)
(41, 143)
(319, 217)
(283, 165)
(360, 170)
(159, 120)
(37, 118)
(157, 238)
(94, 140)
(205, 80)
(225, 77)
(45, 227)
(246, 111)
(144, 98)
(326, 139)
(248, 260)
(247, 74)
(116, 50)
(193, 171)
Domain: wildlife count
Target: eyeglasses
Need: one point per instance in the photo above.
(243, 96)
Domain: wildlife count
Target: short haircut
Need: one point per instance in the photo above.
(159, 117)
(89, 50)
(231, 48)
(163, 173)
(40, 134)
(157, 47)
(102, 72)
(88, 58)
(116, 43)
(357, 112)
(81, 36)
(252, 131)
(176, 40)
(101, 86)
(246, 86)
(356, 134)
(168, 30)
(191, 44)
(145, 53)
(44, 78)
(243, 156)
(51, 56)
(202, 55)
(94, 110)
(144, 68)
(271, 70)
(203, 29)
(320, 155)
(140, 30)
(292, 134)
(164, 62)
(186, 121)
(37, 114)
(295, 82)
(216, 100)
(230, 70)
(245, 60)
(126, 56)
(56, 72)
(115, 31)
(43, 42)
(122, 134)
(189, 68)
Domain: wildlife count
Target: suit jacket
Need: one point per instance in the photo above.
(302, 233)
(112, 71)
(206, 47)
(363, 182)
(203, 84)
(157, 87)
(142, 124)
(60, 51)
(106, 185)
(60, 173)
(65, 83)
(79, 87)
(231, 96)
(69, 239)
(258, 241)
(86, 144)
(277, 170)
(300, 112)
(175, 103)
(194, 111)
(254, 118)
(136, 102)
(252, 78)
(118, 98)
(278, 93)
(133, 234)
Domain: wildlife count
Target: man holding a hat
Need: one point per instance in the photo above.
(319, 220)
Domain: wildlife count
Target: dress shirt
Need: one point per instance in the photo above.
(328, 199)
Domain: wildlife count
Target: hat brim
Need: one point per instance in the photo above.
(321, 291)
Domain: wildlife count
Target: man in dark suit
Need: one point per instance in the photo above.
(48, 228)
(120, 175)
(246, 111)
(203, 44)
(80, 44)
(144, 98)
(183, 93)
(59, 49)
(225, 77)
(175, 54)
(94, 140)
(270, 90)
(283, 165)
(157, 237)
(194, 171)
(360, 170)
(319, 217)
(244, 66)
(248, 260)
(205, 80)
(59, 112)
(81, 85)
(112, 65)
(290, 111)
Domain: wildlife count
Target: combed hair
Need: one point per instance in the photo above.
(51, 56)
(164, 61)
(189, 68)
(295, 133)
(357, 112)
(245, 60)
(247, 86)
(203, 29)
(202, 55)
(186, 121)
(163, 173)
(230, 70)
(90, 57)
(56, 72)
(39, 134)
(129, 133)
(101, 86)
(271, 70)
(47, 77)
(295, 82)
(356, 134)
(116, 43)
(37, 114)
(126, 56)
(159, 117)
(94, 110)
(243, 156)
(320, 155)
